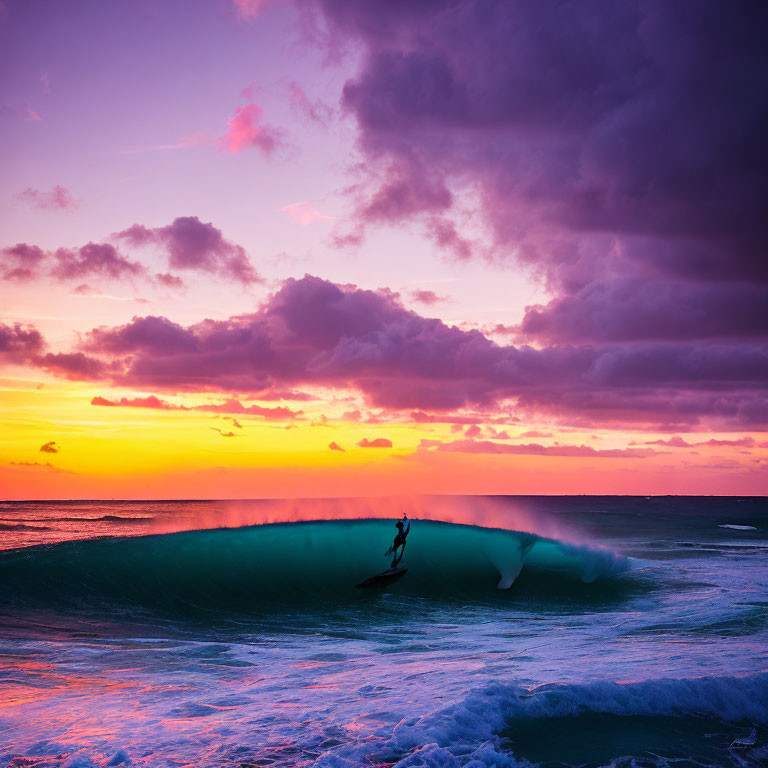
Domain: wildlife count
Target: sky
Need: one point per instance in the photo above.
(264, 248)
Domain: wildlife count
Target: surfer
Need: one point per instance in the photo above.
(403, 527)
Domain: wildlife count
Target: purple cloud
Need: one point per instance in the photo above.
(74, 365)
(192, 244)
(313, 332)
(584, 136)
(94, 259)
(20, 343)
(28, 262)
(632, 309)
(22, 261)
(428, 298)
(59, 198)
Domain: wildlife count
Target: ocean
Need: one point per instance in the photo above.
(552, 631)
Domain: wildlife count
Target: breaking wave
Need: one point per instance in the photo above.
(492, 726)
(289, 563)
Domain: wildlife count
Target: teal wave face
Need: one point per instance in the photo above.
(292, 563)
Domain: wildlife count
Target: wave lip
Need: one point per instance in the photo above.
(295, 562)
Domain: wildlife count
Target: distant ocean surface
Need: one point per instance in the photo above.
(556, 631)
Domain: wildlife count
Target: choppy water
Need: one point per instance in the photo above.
(633, 633)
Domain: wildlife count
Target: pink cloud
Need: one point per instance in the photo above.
(232, 405)
(168, 280)
(334, 446)
(251, 8)
(304, 214)
(678, 442)
(223, 433)
(315, 111)
(23, 261)
(672, 442)
(245, 129)
(534, 449)
(151, 401)
(428, 298)
(379, 442)
(59, 198)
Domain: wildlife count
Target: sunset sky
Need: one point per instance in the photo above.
(253, 248)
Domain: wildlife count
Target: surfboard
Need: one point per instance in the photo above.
(384, 578)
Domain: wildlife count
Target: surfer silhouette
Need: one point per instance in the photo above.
(403, 527)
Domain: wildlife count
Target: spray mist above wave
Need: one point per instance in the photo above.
(483, 511)
(301, 563)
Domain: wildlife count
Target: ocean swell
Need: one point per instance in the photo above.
(318, 562)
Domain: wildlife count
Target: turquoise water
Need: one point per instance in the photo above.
(258, 568)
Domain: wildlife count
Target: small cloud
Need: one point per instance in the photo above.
(38, 466)
(59, 198)
(473, 431)
(168, 280)
(428, 298)
(334, 446)
(222, 433)
(315, 111)
(245, 129)
(250, 8)
(536, 433)
(192, 244)
(673, 442)
(235, 422)
(249, 93)
(304, 214)
(151, 401)
(51, 447)
(379, 442)
(86, 290)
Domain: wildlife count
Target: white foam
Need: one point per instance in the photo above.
(734, 527)
(468, 729)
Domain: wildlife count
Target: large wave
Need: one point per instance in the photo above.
(292, 563)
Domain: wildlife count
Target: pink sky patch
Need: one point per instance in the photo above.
(245, 130)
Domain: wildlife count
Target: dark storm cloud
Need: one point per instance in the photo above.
(604, 141)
